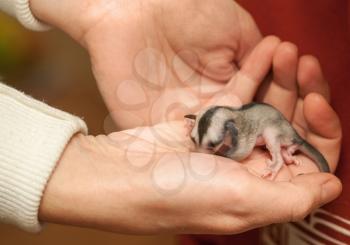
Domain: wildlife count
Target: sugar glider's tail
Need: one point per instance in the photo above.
(315, 155)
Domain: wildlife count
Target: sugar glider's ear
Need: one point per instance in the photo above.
(191, 116)
(231, 134)
(190, 120)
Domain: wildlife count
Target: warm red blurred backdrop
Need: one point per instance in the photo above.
(50, 66)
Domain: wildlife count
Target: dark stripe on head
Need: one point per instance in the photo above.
(204, 122)
(248, 106)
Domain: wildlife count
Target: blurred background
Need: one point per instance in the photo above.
(51, 67)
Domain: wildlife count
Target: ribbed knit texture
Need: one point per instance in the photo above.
(33, 135)
(21, 10)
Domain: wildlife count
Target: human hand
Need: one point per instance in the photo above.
(156, 60)
(146, 181)
(97, 211)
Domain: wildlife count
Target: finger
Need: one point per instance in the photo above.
(325, 131)
(246, 82)
(281, 92)
(293, 200)
(310, 77)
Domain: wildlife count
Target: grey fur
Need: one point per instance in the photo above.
(246, 125)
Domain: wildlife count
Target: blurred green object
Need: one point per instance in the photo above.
(17, 47)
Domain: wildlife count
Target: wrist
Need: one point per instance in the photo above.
(88, 187)
(66, 199)
(93, 186)
(55, 193)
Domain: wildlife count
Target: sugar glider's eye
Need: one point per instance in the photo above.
(211, 145)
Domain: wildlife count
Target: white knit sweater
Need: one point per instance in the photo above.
(20, 9)
(33, 135)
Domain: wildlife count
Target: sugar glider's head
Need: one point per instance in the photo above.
(214, 129)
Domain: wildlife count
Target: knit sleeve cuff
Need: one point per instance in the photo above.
(33, 135)
(21, 10)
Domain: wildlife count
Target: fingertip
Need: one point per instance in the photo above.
(312, 65)
(317, 189)
(287, 49)
(285, 64)
(312, 179)
(331, 189)
(272, 39)
(270, 44)
(303, 194)
(309, 59)
(262, 54)
(286, 52)
(311, 78)
(254, 69)
(314, 99)
(330, 186)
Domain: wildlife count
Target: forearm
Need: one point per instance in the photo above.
(33, 136)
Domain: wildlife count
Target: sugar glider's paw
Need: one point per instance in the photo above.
(289, 159)
(269, 174)
(296, 161)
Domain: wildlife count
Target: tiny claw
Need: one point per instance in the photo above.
(273, 175)
(297, 162)
(293, 161)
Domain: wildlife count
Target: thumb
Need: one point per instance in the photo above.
(316, 189)
(293, 200)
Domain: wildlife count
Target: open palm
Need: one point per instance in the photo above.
(151, 174)
(174, 179)
(157, 61)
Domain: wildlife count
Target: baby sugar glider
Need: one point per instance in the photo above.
(234, 132)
